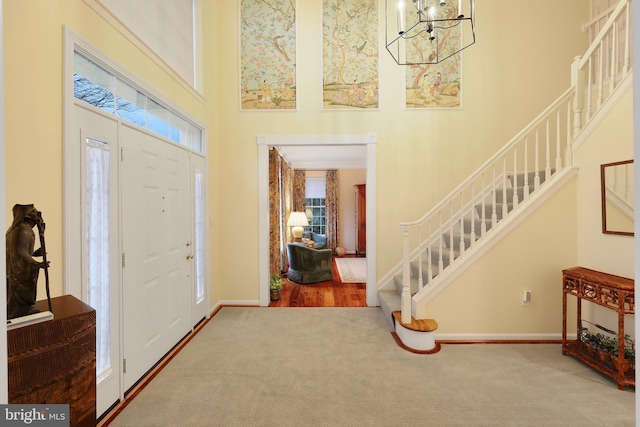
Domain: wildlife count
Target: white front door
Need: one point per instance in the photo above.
(156, 241)
(98, 148)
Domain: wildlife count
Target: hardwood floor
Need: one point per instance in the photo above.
(332, 293)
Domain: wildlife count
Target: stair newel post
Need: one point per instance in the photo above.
(514, 179)
(462, 248)
(526, 168)
(505, 209)
(536, 179)
(577, 82)
(568, 157)
(558, 144)
(547, 155)
(406, 272)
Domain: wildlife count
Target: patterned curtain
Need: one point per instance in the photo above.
(331, 212)
(280, 189)
(286, 179)
(299, 191)
(275, 246)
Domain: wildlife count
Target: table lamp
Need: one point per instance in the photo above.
(297, 220)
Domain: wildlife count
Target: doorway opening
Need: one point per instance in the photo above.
(310, 142)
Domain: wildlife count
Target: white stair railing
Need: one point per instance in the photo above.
(530, 160)
(604, 65)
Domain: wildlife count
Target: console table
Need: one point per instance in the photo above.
(55, 361)
(606, 290)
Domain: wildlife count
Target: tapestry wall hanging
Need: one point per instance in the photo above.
(435, 85)
(267, 55)
(350, 54)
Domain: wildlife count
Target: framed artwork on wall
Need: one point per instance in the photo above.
(350, 54)
(436, 85)
(268, 55)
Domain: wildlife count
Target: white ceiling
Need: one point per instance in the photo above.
(325, 157)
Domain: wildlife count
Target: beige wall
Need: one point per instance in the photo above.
(486, 298)
(33, 96)
(611, 142)
(509, 76)
(519, 64)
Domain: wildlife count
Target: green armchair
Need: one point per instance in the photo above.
(308, 265)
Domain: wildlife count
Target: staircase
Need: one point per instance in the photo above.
(509, 186)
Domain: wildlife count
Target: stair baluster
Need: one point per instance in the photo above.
(558, 146)
(547, 158)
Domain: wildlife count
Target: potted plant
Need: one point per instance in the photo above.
(606, 347)
(629, 355)
(589, 341)
(275, 285)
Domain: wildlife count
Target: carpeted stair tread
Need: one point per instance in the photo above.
(389, 302)
(519, 181)
(509, 193)
(477, 224)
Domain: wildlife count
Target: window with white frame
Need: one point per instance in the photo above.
(97, 240)
(315, 204)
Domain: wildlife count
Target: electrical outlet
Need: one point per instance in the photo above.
(526, 298)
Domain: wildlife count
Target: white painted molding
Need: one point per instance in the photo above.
(264, 142)
(278, 140)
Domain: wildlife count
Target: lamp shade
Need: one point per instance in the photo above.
(297, 220)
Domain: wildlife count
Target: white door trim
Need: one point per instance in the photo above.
(266, 141)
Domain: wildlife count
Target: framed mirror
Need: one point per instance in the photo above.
(617, 197)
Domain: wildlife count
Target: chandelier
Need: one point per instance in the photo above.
(428, 31)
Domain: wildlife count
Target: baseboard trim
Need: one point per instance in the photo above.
(502, 338)
(232, 303)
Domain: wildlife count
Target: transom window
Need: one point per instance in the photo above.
(103, 89)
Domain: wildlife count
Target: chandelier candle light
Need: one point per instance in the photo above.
(428, 31)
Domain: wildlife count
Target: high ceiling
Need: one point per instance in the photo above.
(325, 157)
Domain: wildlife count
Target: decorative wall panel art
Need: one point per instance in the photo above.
(436, 85)
(350, 54)
(268, 55)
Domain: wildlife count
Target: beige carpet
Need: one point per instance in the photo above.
(352, 270)
(341, 367)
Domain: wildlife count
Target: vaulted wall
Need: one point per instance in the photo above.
(519, 64)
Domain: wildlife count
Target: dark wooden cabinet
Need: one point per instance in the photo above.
(361, 219)
(613, 292)
(55, 361)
